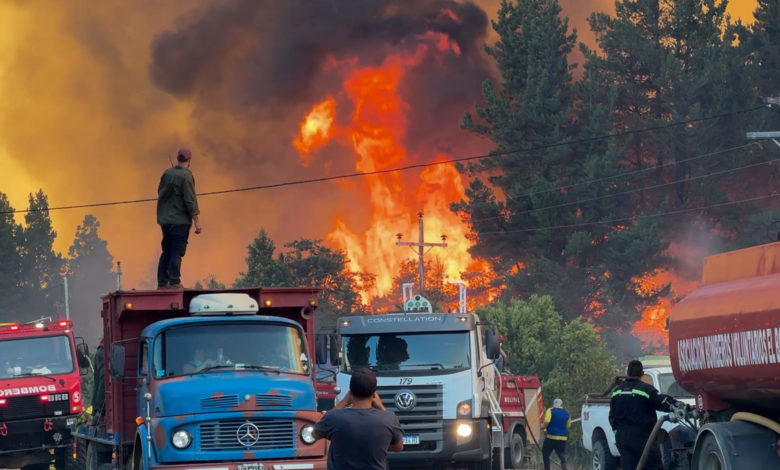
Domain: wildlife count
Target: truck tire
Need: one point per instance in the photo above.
(81, 455)
(515, 452)
(94, 460)
(601, 458)
(710, 456)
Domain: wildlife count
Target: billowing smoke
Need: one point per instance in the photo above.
(97, 96)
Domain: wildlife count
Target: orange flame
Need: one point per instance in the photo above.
(376, 132)
(316, 130)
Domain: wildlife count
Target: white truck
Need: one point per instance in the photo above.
(436, 372)
(598, 436)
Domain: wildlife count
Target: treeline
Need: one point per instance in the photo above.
(600, 182)
(31, 271)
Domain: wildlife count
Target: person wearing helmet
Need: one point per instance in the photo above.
(177, 210)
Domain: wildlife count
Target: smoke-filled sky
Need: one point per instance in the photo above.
(95, 98)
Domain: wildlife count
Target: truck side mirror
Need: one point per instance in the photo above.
(335, 350)
(492, 345)
(321, 348)
(117, 361)
(82, 354)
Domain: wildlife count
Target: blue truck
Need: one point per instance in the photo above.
(190, 379)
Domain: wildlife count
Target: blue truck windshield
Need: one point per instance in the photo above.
(407, 352)
(42, 355)
(214, 347)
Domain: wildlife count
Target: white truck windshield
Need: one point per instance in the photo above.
(407, 352)
(43, 355)
(669, 386)
(201, 348)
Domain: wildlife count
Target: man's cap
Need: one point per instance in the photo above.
(184, 155)
(557, 402)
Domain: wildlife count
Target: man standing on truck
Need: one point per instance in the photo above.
(362, 434)
(632, 417)
(557, 422)
(177, 210)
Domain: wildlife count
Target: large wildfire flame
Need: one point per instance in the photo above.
(376, 132)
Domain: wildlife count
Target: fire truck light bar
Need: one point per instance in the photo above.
(38, 325)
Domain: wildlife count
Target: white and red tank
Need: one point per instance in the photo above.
(724, 338)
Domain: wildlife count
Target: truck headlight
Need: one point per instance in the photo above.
(307, 434)
(463, 430)
(181, 439)
(464, 408)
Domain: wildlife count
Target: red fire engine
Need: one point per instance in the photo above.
(40, 393)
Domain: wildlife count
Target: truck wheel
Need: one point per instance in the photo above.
(93, 457)
(81, 455)
(601, 458)
(710, 456)
(513, 456)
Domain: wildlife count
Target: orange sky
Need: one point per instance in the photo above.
(81, 119)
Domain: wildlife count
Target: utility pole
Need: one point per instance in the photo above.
(421, 244)
(118, 275)
(771, 135)
(67, 301)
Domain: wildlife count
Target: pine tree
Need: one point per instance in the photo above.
(546, 217)
(42, 267)
(10, 262)
(89, 271)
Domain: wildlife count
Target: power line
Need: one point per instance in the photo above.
(632, 191)
(632, 218)
(408, 167)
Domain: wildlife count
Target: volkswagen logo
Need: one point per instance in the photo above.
(247, 434)
(405, 400)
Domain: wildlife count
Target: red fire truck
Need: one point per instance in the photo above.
(40, 393)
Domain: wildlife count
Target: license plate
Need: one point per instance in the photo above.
(411, 439)
(250, 466)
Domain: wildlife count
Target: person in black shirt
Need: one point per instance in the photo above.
(359, 428)
(632, 417)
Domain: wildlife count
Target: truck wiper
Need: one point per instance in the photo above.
(239, 367)
(258, 367)
(210, 368)
(30, 374)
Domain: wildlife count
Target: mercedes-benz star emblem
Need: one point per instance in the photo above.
(248, 434)
(405, 400)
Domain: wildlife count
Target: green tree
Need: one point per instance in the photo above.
(666, 62)
(262, 268)
(10, 262)
(210, 282)
(308, 263)
(568, 357)
(89, 271)
(539, 218)
(762, 44)
(42, 267)
(313, 264)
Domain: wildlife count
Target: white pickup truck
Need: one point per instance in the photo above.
(597, 434)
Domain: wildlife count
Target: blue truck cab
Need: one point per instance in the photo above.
(204, 379)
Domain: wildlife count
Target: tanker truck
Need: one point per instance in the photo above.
(724, 343)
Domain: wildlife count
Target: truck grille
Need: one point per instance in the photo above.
(425, 418)
(277, 401)
(228, 402)
(31, 406)
(219, 403)
(224, 435)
